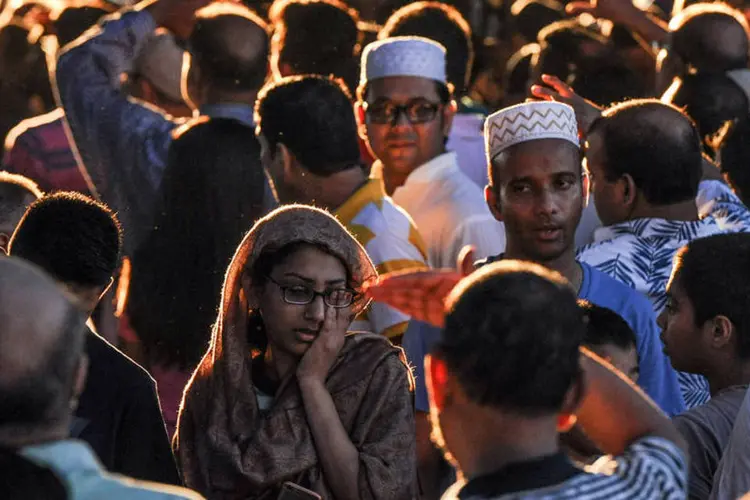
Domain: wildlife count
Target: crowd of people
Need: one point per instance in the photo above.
(397, 250)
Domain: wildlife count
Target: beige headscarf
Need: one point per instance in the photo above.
(224, 446)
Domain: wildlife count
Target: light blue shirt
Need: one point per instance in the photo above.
(85, 478)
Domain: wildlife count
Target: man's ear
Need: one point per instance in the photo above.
(490, 196)
(449, 111)
(574, 396)
(629, 192)
(359, 112)
(436, 374)
(721, 332)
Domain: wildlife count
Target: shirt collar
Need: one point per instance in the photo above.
(243, 113)
(522, 476)
(64, 456)
(371, 192)
(651, 227)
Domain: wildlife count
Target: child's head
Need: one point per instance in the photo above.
(609, 336)
(706, 322)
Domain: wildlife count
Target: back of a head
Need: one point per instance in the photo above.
(656, 144)
(606, 79)
(710, 99)
(41, 343)
(313, 117)
(714, 273)
(229, 43)
(565, 45)
(531, 16)
(74, 21)
(518, 73)
(511, 337)
(443, 24)
(318, 37)
(22, 479)
(734, 158)
(711, 37)
(212, 192)
(606, 327)
(73, 238)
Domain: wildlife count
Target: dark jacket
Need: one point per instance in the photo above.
(119, 416)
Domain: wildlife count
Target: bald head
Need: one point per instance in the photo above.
(41, 342)
(229, 45)
(654, 143)
(711, 37)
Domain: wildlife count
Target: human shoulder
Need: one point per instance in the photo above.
(116, 369)
(28, 130)
(614, 294)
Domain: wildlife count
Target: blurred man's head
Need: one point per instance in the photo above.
(42, 365)
(507, 359)
(17, 193)
(711, 100)
(609, 336)
(156, 78)
(308, 133)
(228, 54)
(405, 102)
(706, 323)
(535, 181)
(443, 24)
(318, 37)
(642, 156)
(75, 239)
(710, 37)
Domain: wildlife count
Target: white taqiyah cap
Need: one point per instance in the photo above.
(529, 121)
(403, 56)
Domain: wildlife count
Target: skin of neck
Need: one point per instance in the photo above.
(15, 437)
(215, 96)
(333, 191)
(491, 440)
(565, 264)
(393, 180)
(683, 211)
(727, 372)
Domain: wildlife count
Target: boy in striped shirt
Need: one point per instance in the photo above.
(308, 137)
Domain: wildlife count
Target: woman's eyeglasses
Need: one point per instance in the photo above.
(301, 295)
(416, 111)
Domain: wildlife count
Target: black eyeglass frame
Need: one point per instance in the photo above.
(325, 294)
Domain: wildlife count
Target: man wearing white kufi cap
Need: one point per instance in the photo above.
(536, 187)
(406, 110)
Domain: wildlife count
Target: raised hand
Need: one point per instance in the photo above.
(556, 90)
(321, 355)
(420, 294)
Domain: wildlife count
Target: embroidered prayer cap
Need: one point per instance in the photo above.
(529, 121)
(403, 56)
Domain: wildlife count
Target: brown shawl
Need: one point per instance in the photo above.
(228, 450)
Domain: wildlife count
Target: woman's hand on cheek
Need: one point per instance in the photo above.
(319, 359)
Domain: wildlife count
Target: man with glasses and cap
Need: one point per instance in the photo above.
(405, 110)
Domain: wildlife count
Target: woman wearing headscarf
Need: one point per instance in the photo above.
(284, 393)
